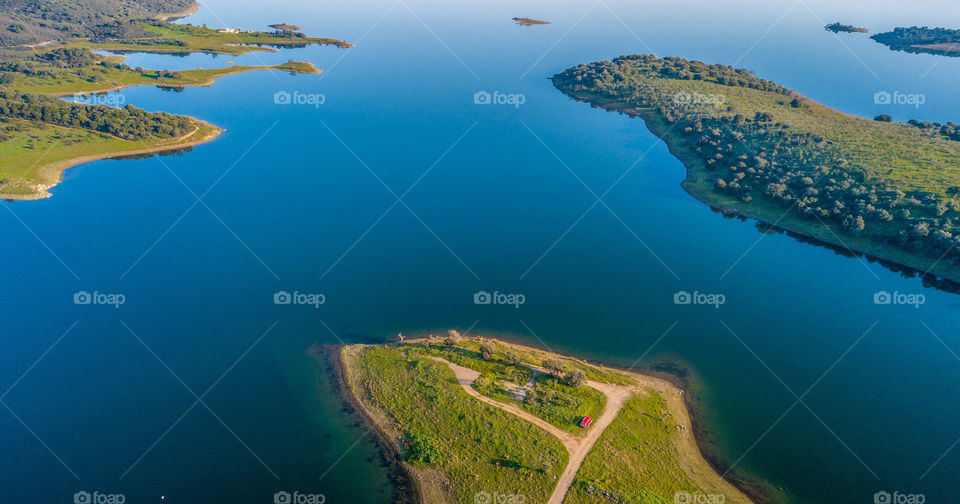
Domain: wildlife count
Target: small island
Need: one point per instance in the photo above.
(941, 41)
(471, 419)
(838, 28)
(756, 149)
(41, 136)
(525, 21)
(286, 27)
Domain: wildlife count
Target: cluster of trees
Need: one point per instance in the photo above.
(752, 157)
(950, 130)
(904, 39)
(838, 27)
(129, 122)
(40, 20)
(677, 68)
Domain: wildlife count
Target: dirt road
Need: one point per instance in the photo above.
(577, 447)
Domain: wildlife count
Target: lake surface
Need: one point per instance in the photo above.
(496, 198)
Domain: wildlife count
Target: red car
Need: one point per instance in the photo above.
(585, 422)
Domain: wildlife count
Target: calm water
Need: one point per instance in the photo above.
(301, 198)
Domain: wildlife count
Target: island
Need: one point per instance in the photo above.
(468, 419)
(837, 28)
(756, 149)
(941, 41)
(41, 136)
(525, 21)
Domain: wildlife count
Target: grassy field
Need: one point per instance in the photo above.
(636, 459)
(549, 397)
(174, 39)
(33, 157)
(455, 445)
(97, 78)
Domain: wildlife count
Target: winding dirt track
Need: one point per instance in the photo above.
(576, 446)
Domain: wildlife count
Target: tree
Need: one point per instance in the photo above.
(883, 118)
(487, 350)
(576, 377)
(554, 367)
(512, 358)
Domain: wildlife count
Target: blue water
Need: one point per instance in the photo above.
(495, 198)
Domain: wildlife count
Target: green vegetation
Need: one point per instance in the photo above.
(65, 64)
(636, 459)
(39, 135)
(34, 154)
(761, 150)
(916, 39)
(34, 21)
(837, 28)
(457, 445)
(549, 397)
(105, 73)
(162, 37)
(455, 441)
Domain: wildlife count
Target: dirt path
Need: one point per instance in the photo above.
(577, 447)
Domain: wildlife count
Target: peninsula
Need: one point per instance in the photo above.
(471, 419)
(41, 136)
(754, 148)
(942, 41)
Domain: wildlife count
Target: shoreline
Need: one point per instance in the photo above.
(691, 163)
(674, 389)
(181, 14)
(59, 167)
(209, 81)
(407, 490)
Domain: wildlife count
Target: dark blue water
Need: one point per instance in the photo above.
(494, 198)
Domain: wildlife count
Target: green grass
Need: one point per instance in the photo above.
(34, 153)
(551, 399)
(562, 405)
(895, 152)
(199, 39)
(475, 447)
(96, 78)
(635, 459)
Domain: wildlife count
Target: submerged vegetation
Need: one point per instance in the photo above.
(762, 150)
